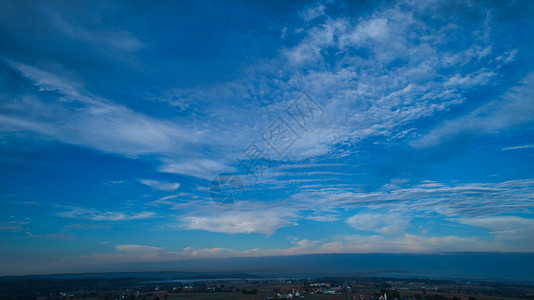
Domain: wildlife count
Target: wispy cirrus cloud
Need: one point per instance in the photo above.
(474, 199)
(52, 236)
(515, 108)
(95, 215)
(161, 185)
(12, 226)
(116, 39)
(518, 147)
(75, 116)
(508, 227)
(136, 248)
(85, 119)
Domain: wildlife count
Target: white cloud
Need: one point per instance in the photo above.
(136, 248)
(513, 109)
(233, 221)
(84, 119)
(116, 39)
(367, 98)
(407, 243)
(202, 168)
(81, 118)
(311, 13)
(480, 78)
(460, 200)
(384, 223)
(505, 226)
(518, 147)
(52, 236)
(323, 202)
(94, 215)
(161, 185)
(12, 226)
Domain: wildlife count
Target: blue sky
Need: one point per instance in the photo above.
(115, 117)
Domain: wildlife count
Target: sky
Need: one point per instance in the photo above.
(164, 131)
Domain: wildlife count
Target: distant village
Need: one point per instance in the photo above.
(261, 289)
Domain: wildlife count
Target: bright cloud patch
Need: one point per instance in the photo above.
(161, 185)
(380, 223)
(232, 222)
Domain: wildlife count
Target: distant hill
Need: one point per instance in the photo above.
(488, 266)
